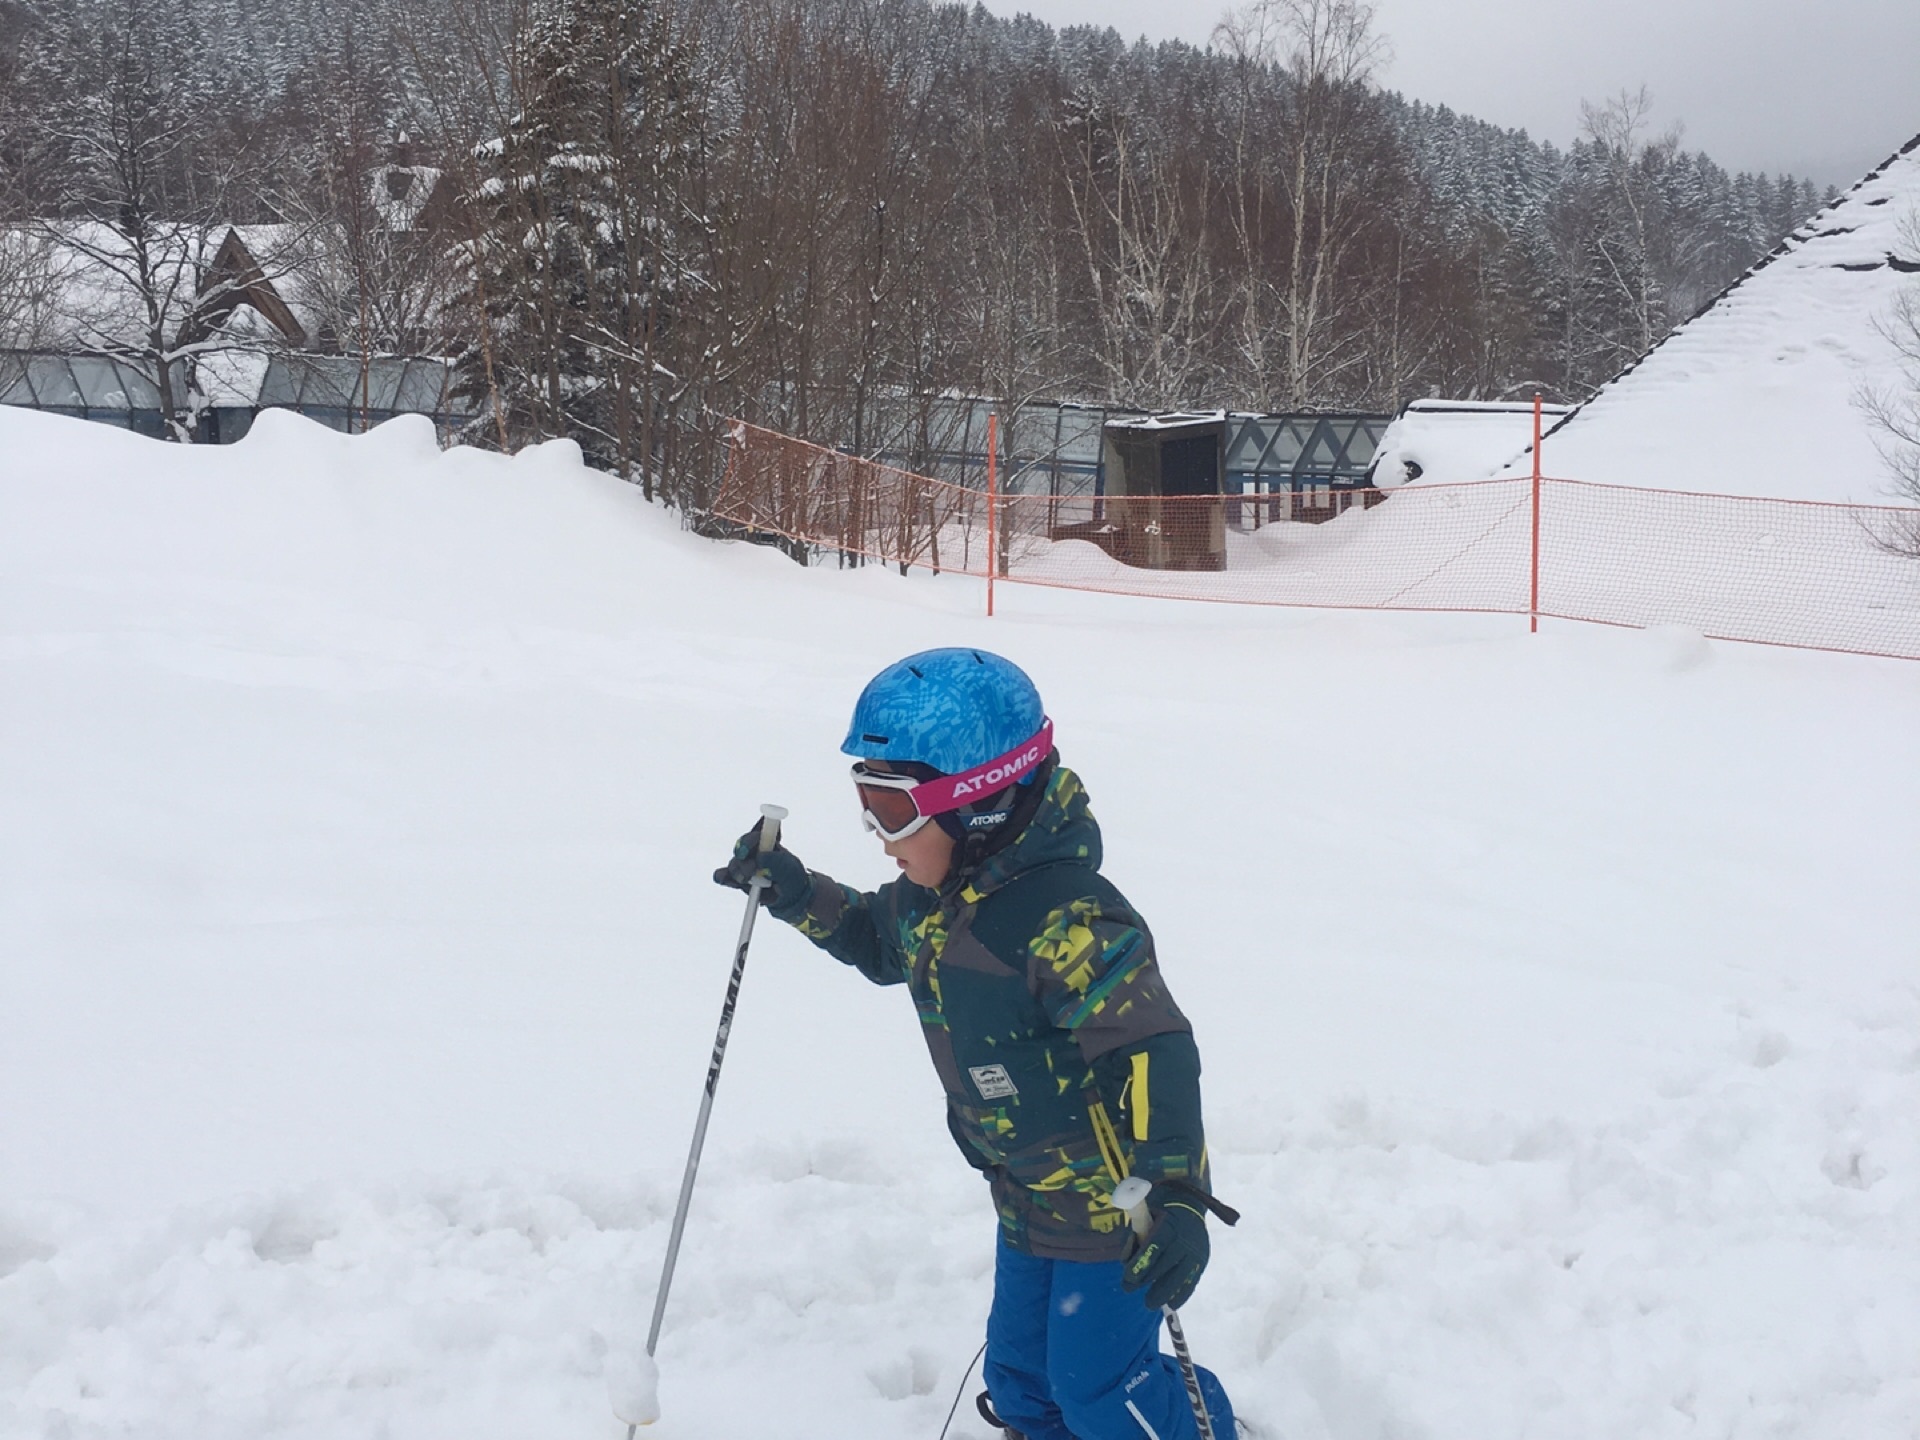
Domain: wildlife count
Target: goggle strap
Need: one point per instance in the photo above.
(953, 792)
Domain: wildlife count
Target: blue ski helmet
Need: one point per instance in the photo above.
(950, 709)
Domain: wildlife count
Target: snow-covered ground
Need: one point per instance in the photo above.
(1757, 395)
(359, 964)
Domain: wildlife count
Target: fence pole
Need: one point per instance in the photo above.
(1533, 599)
(993, 498)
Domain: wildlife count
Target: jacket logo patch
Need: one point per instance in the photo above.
(992, 1081)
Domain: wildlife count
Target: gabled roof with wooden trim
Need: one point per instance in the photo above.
(203, 279)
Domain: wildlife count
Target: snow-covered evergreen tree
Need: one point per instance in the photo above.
(586, 241)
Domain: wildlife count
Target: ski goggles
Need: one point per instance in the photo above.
(895, 806)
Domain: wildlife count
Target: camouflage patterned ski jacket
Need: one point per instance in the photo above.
(1067, 1065)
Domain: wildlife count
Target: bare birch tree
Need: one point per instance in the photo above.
(29, 286)
(1894, 410)
(1322, 162)
(1626, 240)
(1139, 213)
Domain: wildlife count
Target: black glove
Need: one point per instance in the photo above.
(1171, 1257)
(788, 883)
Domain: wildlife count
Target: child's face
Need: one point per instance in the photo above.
(925, 856)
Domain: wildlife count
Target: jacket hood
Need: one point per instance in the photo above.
(1062, 829)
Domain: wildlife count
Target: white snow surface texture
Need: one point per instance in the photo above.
(359, 964)
(1756, 395)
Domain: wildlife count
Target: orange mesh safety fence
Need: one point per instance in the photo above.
(1733, 567)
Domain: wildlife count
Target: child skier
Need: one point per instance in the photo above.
(1067, 1065)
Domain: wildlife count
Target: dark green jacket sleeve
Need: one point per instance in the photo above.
(857, 928)
(1158, 1082)
(1094, 969)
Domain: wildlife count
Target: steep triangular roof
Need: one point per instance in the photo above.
(207, 279)
(1756, 394)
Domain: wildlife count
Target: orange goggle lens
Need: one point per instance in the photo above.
(893, 810)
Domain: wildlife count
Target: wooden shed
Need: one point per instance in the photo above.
(1164, 481)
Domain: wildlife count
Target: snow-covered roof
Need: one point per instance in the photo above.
(1756, 394)
(232, 377)
(1168, 420)
(400, 192)
(96, 305)
(1437, 441)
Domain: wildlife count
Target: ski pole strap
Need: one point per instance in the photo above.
(1111, 1155)
(1226, 1214)
(1114, 1157)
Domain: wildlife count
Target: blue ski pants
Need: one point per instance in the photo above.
(1072, 1356)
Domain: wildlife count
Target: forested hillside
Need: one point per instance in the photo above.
(672, 210)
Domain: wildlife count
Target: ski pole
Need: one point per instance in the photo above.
(639, 1404)
(1130, 1195)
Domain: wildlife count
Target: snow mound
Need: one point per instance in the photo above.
(359, 966)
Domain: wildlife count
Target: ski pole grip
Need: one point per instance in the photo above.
(770, 818)
(1130, 1195)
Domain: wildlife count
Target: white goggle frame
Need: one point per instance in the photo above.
(885, 780)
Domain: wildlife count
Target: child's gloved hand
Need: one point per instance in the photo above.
(788, 883)
(1171, 1258)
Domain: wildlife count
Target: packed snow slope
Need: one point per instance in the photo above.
(1756, 394)
(359, 964)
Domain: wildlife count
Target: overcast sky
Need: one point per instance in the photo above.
(1822, 88)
